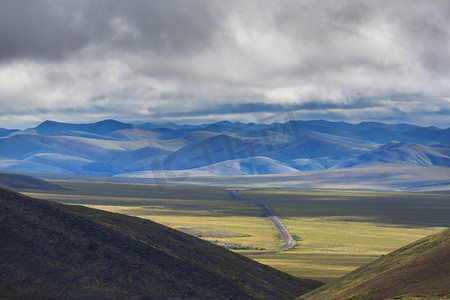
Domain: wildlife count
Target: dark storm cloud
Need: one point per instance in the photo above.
(52, 29)
(39, 29)
(79, 60)
(252, 107)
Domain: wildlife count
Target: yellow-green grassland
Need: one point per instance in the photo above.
(336, 231)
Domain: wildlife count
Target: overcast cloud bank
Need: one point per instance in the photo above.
(202, 61)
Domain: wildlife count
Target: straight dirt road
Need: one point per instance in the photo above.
(285, 235)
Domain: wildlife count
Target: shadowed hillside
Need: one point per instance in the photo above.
(57, 251)
(23, 182)
(420, 269)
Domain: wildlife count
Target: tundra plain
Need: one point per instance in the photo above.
(336, 231)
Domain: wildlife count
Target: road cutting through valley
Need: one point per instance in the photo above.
(285, 235)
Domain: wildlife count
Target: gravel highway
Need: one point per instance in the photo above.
(285, 235)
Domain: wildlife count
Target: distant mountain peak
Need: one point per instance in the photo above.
(47, 123)
(107, 147)
(49, 127)
(108, 121)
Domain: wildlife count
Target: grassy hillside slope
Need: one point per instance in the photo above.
(57, 251)
(24, 182)
(420, 269)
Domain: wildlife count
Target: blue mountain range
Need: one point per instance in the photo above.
(113, 148)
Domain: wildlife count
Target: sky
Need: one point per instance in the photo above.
(192, 61)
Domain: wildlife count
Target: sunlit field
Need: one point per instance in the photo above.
(336, 231)
(209, 213)
(342, 230)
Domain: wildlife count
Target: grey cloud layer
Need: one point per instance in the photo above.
(53, 29)
(204, 60)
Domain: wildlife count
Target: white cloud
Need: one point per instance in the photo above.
(143, 60)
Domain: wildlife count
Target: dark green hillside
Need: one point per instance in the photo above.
(52, 250)
(24, 182)
(418, 270)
